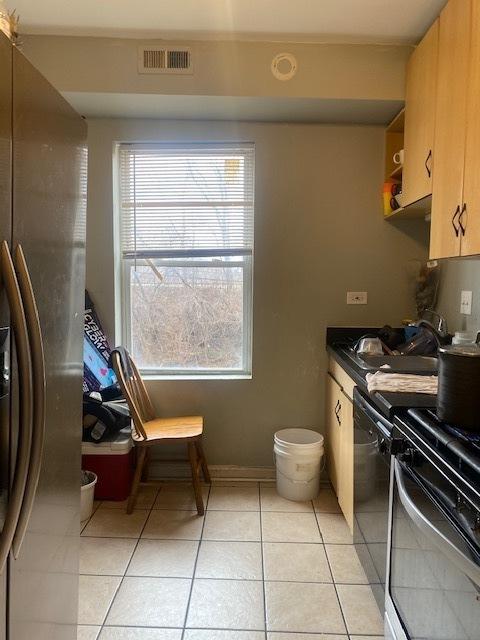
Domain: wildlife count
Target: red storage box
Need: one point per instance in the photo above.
(112, 461)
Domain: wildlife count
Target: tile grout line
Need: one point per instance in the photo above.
(200, 541)
(337, 544)
(187, 609)
(263, 563)
(128, 564)
(94, 510)
(167, 577)
(228, 629)
(333, 579)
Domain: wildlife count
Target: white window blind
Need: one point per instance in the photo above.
(195, 199)
(186, 234)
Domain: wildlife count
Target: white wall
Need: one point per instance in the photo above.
(223, 68)
(458, 275)
(318, 233)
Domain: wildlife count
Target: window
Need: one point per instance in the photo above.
(186, 239)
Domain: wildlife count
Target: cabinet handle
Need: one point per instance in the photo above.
(463, 227)
(457, 229)
(428, 163)
(338, 408)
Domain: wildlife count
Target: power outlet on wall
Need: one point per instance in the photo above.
(466, 303)
(357, 297)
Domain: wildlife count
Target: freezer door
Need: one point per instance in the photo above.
(49, 195)
(5, 234)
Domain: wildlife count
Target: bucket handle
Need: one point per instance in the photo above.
(322, 469)
(296, 481)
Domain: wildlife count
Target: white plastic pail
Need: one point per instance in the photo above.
(86, 496)
(298, 459)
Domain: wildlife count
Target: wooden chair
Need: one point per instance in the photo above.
(148, 430)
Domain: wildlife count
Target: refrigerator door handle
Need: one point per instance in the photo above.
(18, 321)
(39, 391)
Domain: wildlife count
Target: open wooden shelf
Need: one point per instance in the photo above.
(419, 209)
(397, 172)
(393, 144)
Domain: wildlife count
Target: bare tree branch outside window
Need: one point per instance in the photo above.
(186, 218)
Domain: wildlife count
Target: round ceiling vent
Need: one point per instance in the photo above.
(284, 66)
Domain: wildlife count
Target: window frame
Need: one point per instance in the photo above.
(125, 264)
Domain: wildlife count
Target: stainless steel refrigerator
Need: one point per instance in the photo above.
(43, 172)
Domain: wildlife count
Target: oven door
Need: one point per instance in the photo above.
(434, 560)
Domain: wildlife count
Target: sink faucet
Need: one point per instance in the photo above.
(441, 327)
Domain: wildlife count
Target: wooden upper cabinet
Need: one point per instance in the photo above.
(471, 186)
(420, 101)
(450, 128)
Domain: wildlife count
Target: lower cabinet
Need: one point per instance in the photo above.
(339, 445)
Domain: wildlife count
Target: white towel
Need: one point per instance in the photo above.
(401, 382)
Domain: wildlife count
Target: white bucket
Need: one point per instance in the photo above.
(298, 459)
(86, 495)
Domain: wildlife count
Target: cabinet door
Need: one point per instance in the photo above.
(332, 430)
(420, 100)
(345, 489)
(471, 186)
(450, 127)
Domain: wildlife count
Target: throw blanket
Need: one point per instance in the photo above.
(401, 382)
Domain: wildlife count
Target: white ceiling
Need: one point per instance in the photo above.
(382, 21)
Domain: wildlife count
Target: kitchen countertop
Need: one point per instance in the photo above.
(387, 402)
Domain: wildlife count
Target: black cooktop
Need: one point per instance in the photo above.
(453, 450)
(464, 444)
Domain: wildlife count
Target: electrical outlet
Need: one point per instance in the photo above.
(466, 303)
(357, 297)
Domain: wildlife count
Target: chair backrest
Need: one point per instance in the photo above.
(134, 390)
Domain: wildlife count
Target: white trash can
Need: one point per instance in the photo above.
(89, 480)
(298, 459)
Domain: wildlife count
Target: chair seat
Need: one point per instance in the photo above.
(171, 428)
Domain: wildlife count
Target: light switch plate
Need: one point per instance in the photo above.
(466, 303)
(357, 297)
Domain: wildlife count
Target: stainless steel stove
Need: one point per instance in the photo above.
(433, 560)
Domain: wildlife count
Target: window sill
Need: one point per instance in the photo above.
(196, 378)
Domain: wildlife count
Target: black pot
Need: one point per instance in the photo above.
(458, 399)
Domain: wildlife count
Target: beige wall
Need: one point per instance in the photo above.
(318, 233)
(230, 68)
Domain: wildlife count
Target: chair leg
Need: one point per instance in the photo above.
(142, 452)
(203, 461)
(192, 456)
(146, 465)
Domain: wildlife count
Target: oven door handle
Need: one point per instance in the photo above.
(383, 430)
(454, 554)
(373, 414)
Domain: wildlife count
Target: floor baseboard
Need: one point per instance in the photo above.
(158, 469)
(162, 471)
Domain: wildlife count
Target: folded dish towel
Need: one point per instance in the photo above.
(401, 382)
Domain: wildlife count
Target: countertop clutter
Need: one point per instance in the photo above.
(408, 483)
(337, 339)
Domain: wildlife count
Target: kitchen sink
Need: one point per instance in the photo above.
(395, 364)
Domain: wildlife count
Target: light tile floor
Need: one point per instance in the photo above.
(256, 567)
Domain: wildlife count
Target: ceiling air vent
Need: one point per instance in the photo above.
(164, 60)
